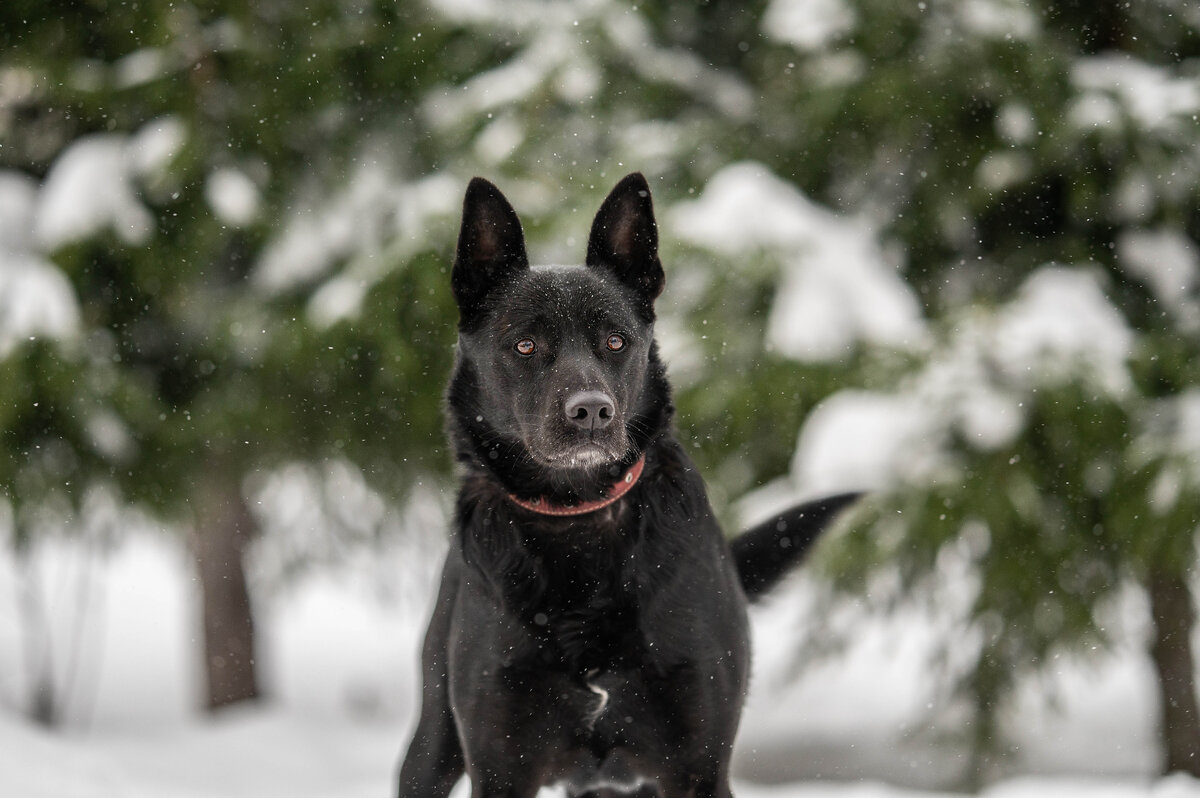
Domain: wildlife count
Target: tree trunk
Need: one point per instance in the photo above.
(1174, 664)
(44, 708)
(223, 527)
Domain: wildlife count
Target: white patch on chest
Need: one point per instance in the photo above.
(601, 699)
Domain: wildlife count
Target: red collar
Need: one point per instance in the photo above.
(544, 506)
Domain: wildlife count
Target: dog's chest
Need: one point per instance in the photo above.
(587, 626)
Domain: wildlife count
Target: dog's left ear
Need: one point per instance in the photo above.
(624, 238)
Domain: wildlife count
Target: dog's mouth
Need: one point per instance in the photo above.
(586, 456)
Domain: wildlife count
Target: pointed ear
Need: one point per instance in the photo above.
(624, 238)
(491, 247)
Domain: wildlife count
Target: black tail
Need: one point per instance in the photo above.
(765, 553)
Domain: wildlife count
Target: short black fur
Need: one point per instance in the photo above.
(607, 651)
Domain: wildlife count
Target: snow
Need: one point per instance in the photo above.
(338, 298)
(1061, 325)
(92, 186)
(1016, 123)
(155, 145)
(999, 170)
(18, 194)
(233, 196)
(109, 436)
(502, 86)
(551, 55)
(636, 45)
(1135, 197)
(340, 661)
(141, 67)
(36, 300)
(857, 440)
(555, 40)
(1155, 98)
(1178, 439)
(1165, 260)
(489, 11)
(999, 19)
(373, 222)
(499, 140)
(808, 25)
(837, 288)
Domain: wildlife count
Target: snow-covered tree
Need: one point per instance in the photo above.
(1036, 164)
(176, 181)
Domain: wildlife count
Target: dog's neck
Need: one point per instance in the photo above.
(546, 506)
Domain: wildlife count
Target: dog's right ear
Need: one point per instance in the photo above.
(491, 247)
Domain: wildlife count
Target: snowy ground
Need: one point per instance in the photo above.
(340, 660)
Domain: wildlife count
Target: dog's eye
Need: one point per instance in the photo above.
(525, 347)
(616, 342)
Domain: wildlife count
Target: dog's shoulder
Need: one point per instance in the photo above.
(675, 490)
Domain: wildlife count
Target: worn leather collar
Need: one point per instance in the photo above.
(544, 506)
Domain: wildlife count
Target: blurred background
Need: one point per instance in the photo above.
(944, 250)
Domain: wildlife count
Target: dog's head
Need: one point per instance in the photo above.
(557, 385)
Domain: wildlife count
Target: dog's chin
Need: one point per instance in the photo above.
(585, 456)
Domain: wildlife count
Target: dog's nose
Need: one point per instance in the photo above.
(590, 410)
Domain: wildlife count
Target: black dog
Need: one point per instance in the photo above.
(591, 624)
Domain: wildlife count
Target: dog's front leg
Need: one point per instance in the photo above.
(706, 789)
(489, 788)
(502, 774)
(705, 780)
(716, 789)
(513, 739)
(505, 759)
(434, 761)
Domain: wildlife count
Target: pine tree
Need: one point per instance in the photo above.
(169, 140)
(1031, 160)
